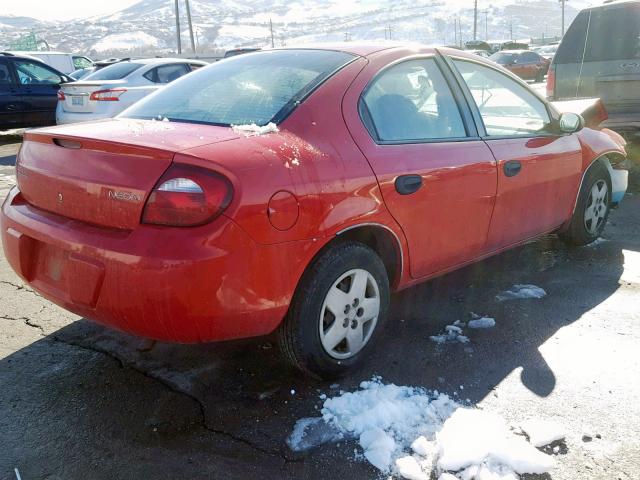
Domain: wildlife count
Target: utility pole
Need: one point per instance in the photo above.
(460, 32)
(273, 43)
(455, 31)
(511, 29)
(486, 25)
(389, 27)
(193, 43)
(178, 27)
(562, 2)
(475, 19)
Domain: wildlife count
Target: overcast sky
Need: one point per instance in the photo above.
(62, 9)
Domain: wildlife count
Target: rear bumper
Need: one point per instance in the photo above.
(626, 124)
(181, 285)
(63, 118)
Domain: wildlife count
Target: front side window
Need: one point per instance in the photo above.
(32, 73)
(255, 88)
(81, 62)
(411, 101)
(5, 76)
(506, 107)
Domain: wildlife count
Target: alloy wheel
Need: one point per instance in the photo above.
(597, 207)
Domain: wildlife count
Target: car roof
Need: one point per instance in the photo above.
(361, 49)
(160, 61)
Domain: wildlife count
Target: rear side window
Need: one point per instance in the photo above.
(116, 71)
(411, 101)
(166, 73)
(255, 88)
(572, 45)
(504, 58)
(529, 57)
(614, 33)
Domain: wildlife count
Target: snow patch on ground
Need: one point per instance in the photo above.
(482, 322)
(597, 242)
(521, 291)
(253, 129)
(453, 333)
(543, 432)
(412, 432)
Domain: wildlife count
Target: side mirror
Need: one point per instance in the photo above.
(570, 122)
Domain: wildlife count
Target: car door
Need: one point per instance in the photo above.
(538, 171)
(39, 86)
(437, 178)
(10, 108)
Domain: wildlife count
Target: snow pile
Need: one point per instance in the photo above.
(453, 333)
(543, 432)
(412, 432)
(521, 291)
(478, 444)
(253, 129)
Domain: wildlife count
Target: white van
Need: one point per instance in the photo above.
(63, 62)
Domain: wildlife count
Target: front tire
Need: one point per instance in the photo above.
(592, 209)
(337, 312)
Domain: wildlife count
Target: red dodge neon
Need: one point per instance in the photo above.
(293, 189)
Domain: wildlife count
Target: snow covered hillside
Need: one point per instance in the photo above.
(228, 23)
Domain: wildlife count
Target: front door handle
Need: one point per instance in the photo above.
(408, 184)
(512, 168)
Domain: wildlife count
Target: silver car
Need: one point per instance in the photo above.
(110, 90)
(599, 56)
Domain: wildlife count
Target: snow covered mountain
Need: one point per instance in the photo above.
(149, 25)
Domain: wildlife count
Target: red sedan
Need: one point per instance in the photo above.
(524, 63)
(293, 189)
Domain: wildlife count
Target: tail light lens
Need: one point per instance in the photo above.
(110, 95)
(61, 96)
(186, 196)
(551, 82)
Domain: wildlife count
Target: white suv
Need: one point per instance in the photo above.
(110, 90)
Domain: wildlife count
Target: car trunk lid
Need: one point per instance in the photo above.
(77, 95)
(101, 173)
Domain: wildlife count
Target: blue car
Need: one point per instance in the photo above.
(28, 92)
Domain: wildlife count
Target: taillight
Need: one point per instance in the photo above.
(551, 82)
(186, 196)
(61, 96)
(110, 95)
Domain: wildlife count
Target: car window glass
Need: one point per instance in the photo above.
(32, 73)
(256, 88)
(572, 45)
(115, 71)
(168, 73)
(529, 57)
(614, 33)
(81, 62)
(412, 101)
(506, 107)
(5, 76)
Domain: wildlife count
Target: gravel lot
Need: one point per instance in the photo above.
(79, 401)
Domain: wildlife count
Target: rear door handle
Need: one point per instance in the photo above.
(512, 168)
(408, 184)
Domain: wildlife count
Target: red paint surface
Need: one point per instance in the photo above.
(235, 277)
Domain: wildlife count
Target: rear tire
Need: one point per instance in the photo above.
(337, 312)
(592, 208)
(539, 76)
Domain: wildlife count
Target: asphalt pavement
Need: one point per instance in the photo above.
(79, 401)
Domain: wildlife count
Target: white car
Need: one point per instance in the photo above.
(110, 90)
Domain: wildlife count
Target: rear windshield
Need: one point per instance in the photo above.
(503, 58)
(114, 72)
(614, 34)
(256, 88)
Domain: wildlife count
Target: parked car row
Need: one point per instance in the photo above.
(34, 94)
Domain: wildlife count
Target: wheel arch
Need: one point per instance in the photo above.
(601, 160)
(382, 240)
